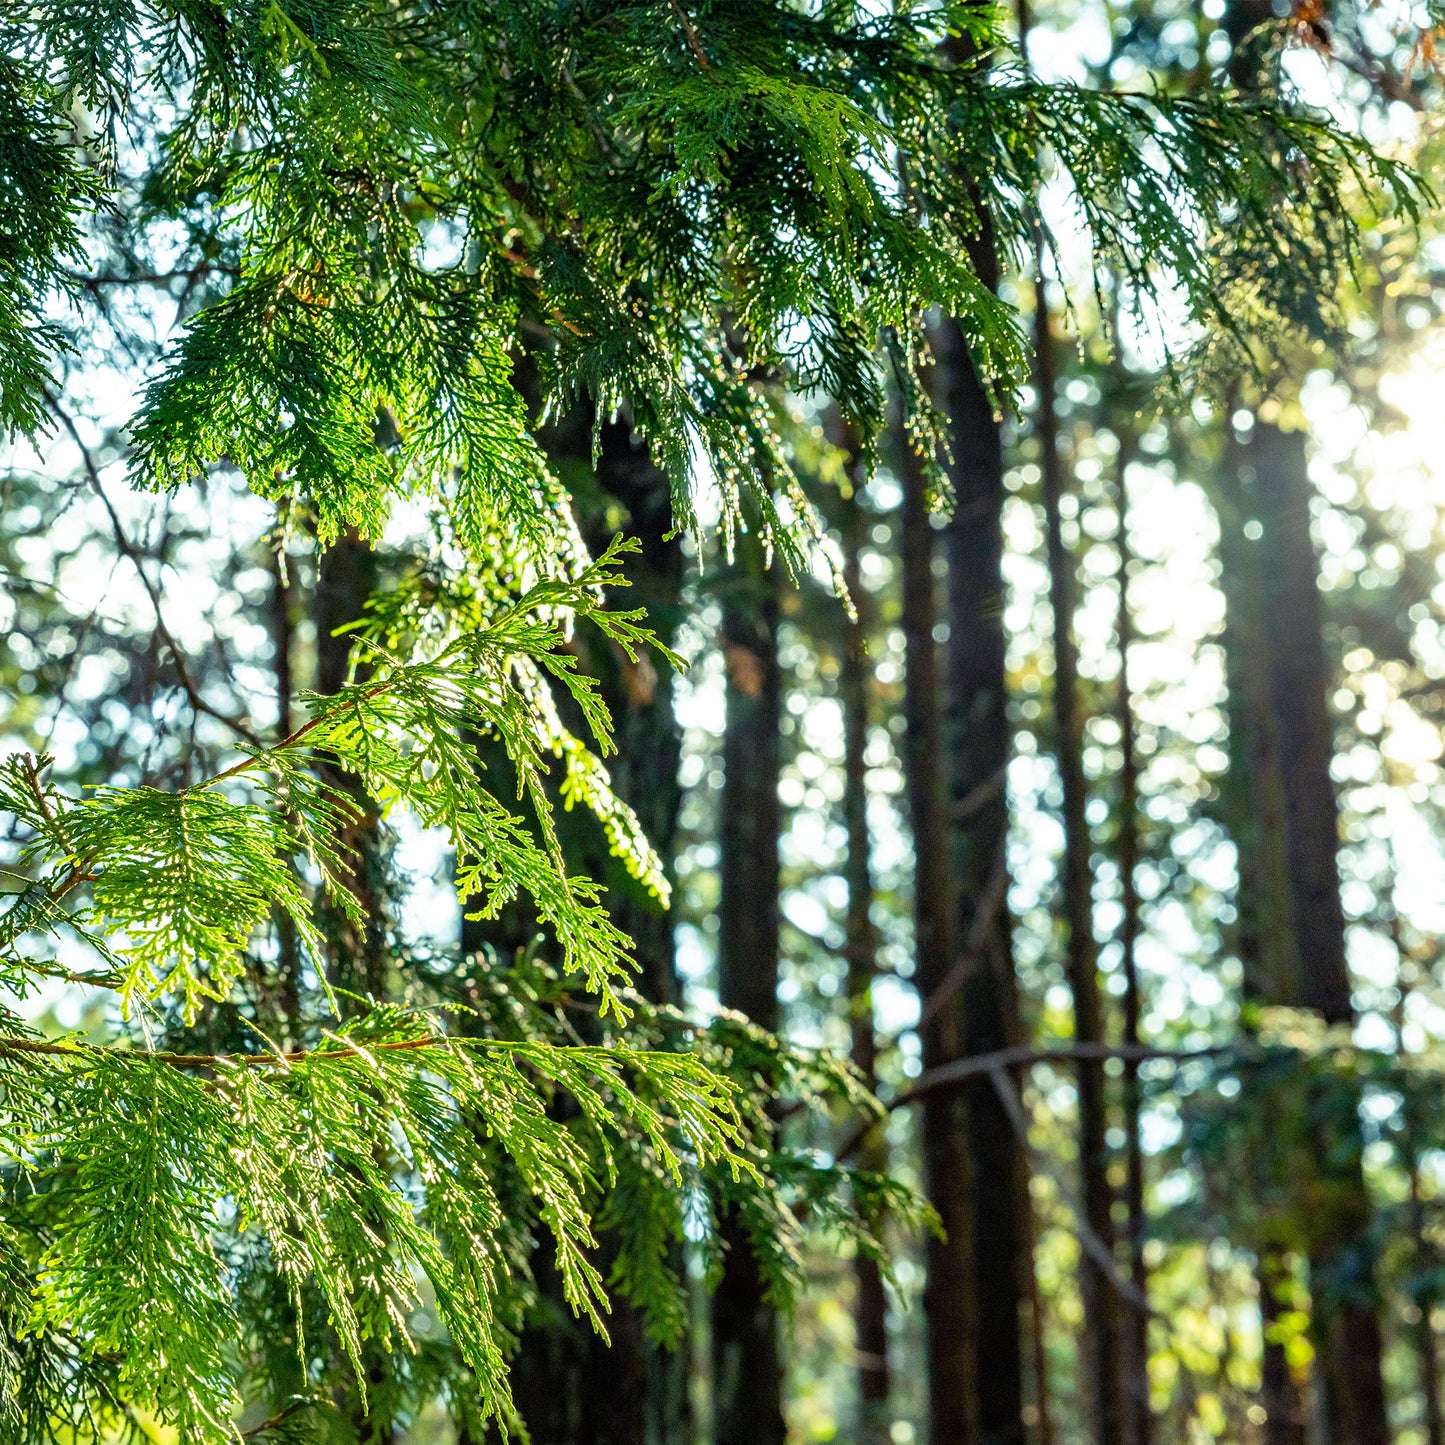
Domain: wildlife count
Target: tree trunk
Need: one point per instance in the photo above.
(1299, 685)
(1264, 928)
(346, 575)
(1283, 675)
(1279, 1391)
(1426, 1350)
(1342, 1268)
(979, 744)
(1043, 1422)
(640, 695)
(1101, 1305)
(949, 1295)
(1425, 1256)
(854, 680)
(747, 1364)
(283, 637)
(357, 950)
(635, 1391)
(573, 1388)
(1141, 1421)
(1342, 1285)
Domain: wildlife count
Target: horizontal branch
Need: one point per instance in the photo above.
(16, 1046)
(966, 1071)
(216, 1062)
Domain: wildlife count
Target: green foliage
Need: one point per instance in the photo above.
(393, 1154)
(1275, 1133)
(370, 1163)
(425, 232)
(180, 883)
(45, 192)
(674, 211)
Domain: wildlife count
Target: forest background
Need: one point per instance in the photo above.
(1154, 662)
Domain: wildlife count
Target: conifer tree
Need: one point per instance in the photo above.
(981, 986)
(855, 687)
(224, 1215)
(748, 1369)
(1288, 703)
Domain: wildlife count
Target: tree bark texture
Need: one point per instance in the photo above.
(978, 744)
(1264, 927)
(282, 626)
(950, 1288)
(358, 949)
(854, 686)
(1101, 1304)
(1286, 697)
(574, 1389)
(346, 575)
(747, 1362)
(1136, 1335)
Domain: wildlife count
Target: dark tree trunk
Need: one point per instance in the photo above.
(1141, 1421)
(357, 949)
(747, 1364)
(635, 1393)
(978, 743)
(346, 575)
(1299, 686)
(1344, 1303)
(1264, 930)
(573, 1388)
(1342, 1269)
(1426, 1258)
(1427, 1353)
(1101, 1305)
(1284, 676)
(950, 1288)
(1279, 1391)
(1254, 795)
(1043, 1423)
(648, 1393)
(854, 680)
(283, 638)
(640, 695)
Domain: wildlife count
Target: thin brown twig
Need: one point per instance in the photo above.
(279, 1060)
(289, 741)
(133, 555)
(32, 776)
(67, 975)
(150, 278)
(690, 31)
(277, 1419)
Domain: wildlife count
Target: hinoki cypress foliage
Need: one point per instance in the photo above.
(371, 219)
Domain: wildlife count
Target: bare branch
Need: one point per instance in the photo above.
(133, 555)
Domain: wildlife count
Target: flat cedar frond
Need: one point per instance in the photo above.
(183, 880)
(130, 1264)
(364, 1163)
(44, 180)
(180, 883)
(667, 224)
